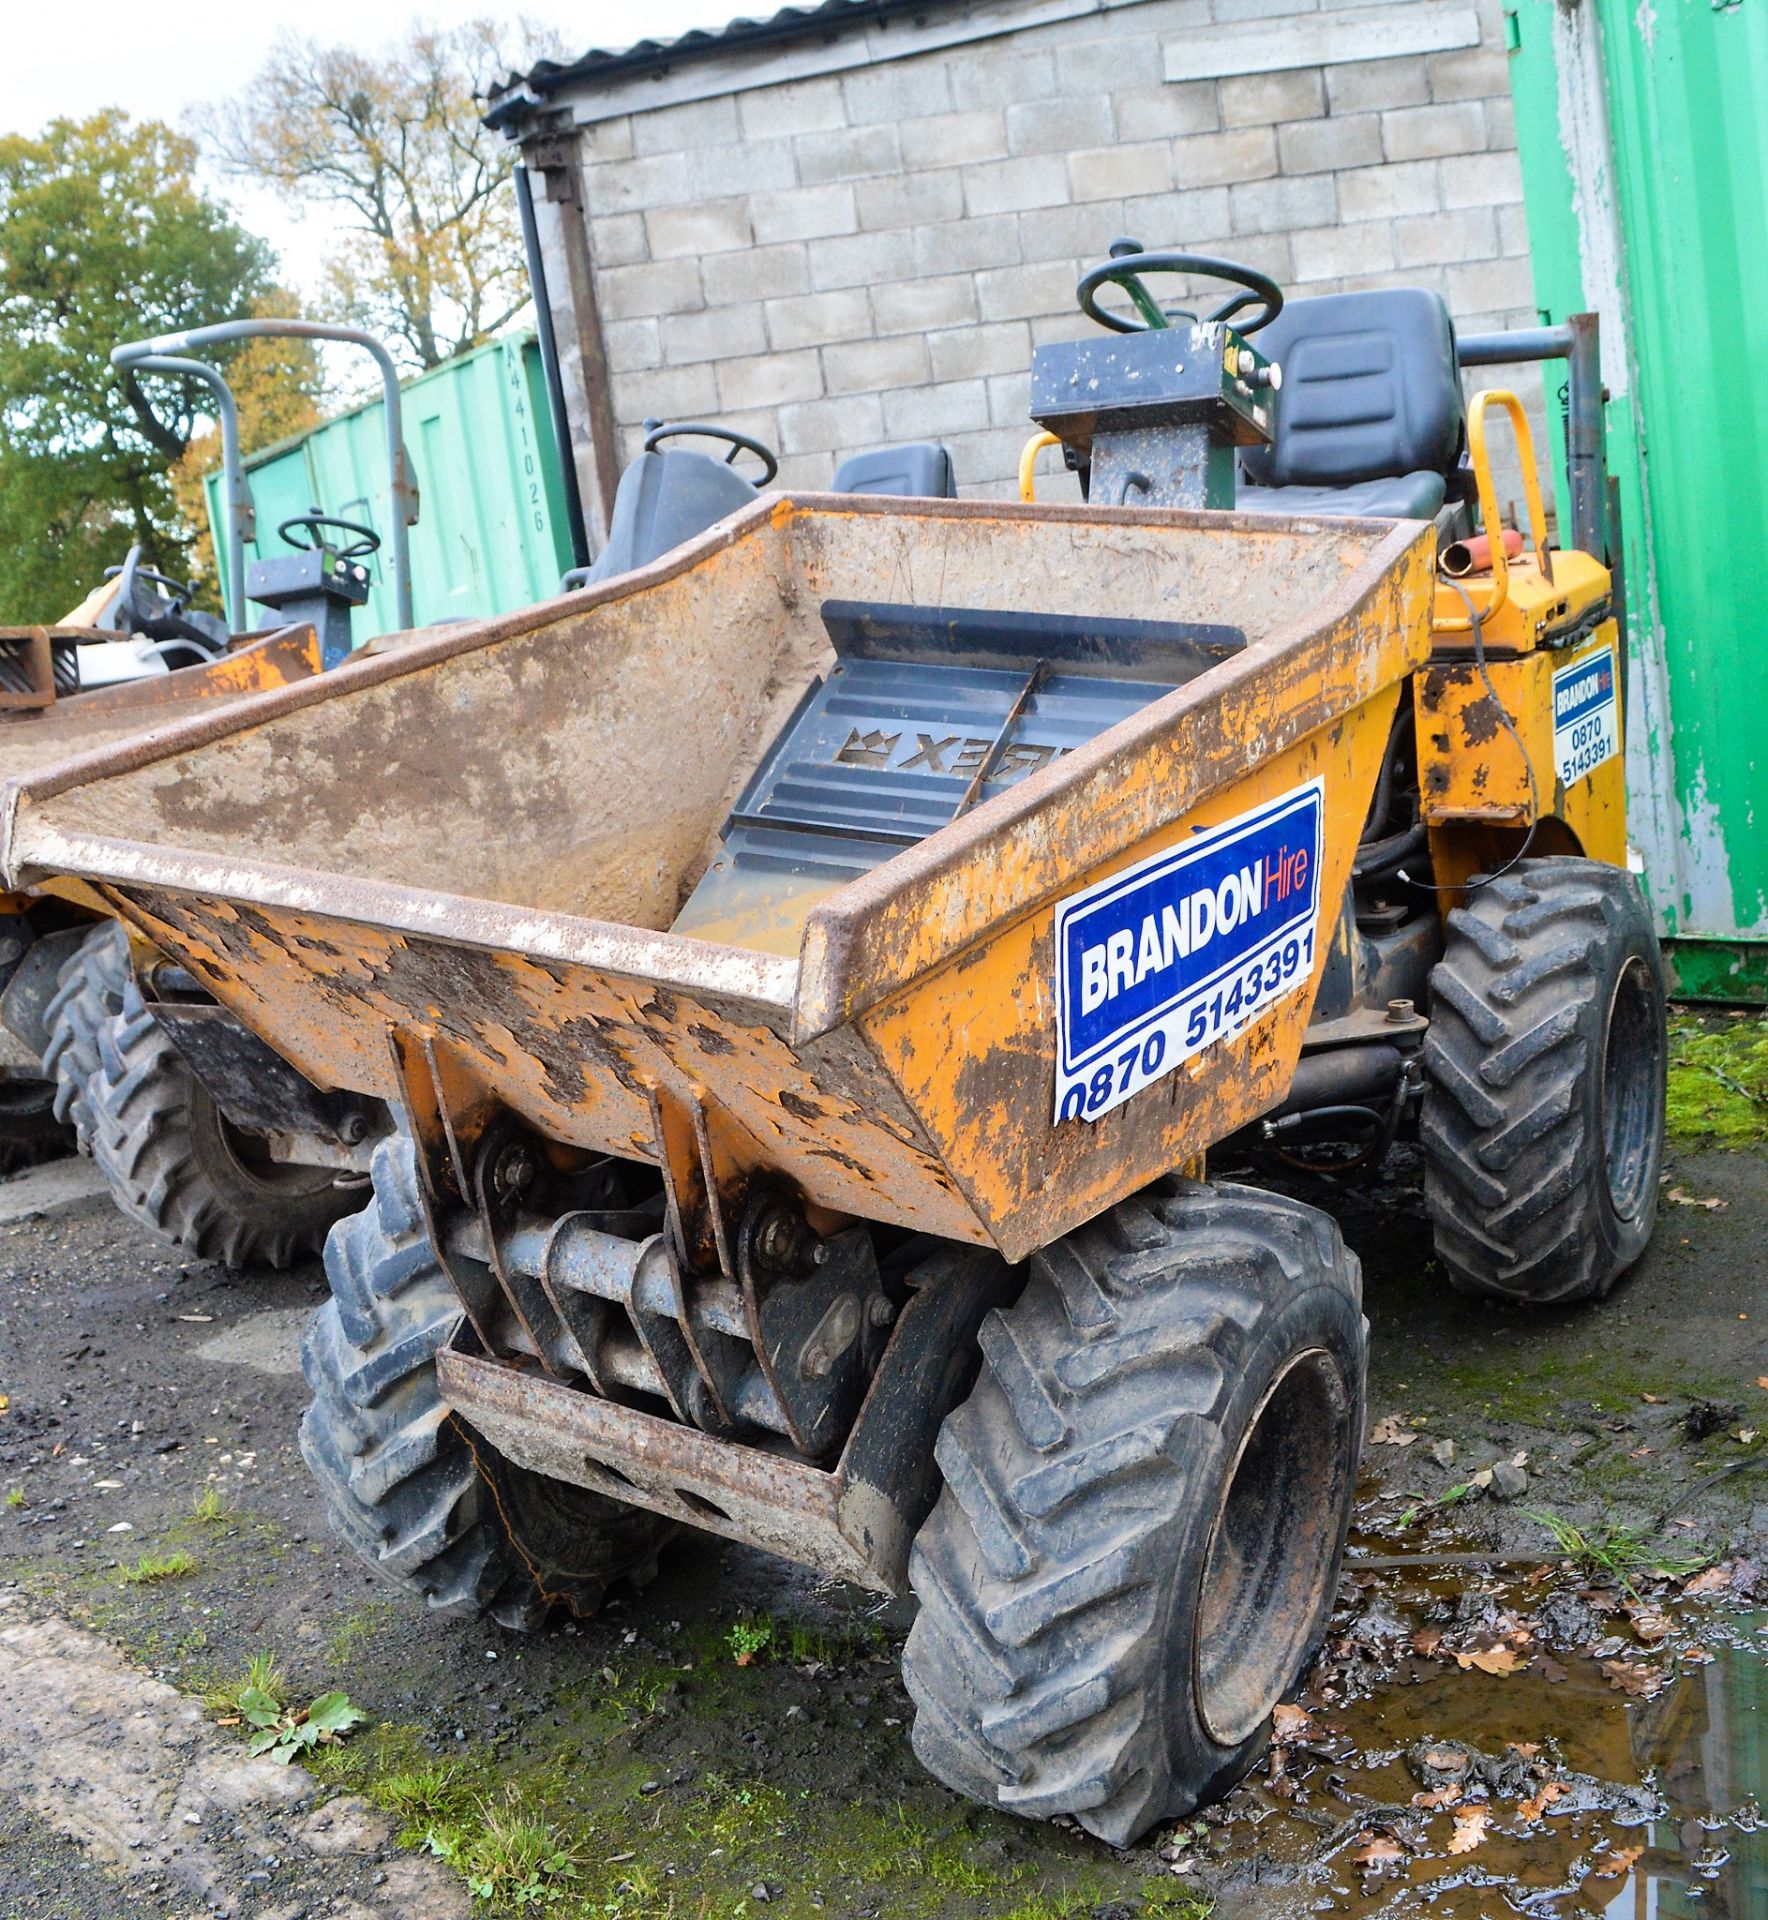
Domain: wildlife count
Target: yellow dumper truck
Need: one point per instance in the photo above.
(812, 970)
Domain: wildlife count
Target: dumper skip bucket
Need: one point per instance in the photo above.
(832, 845)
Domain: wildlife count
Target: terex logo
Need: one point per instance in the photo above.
(1185, 927)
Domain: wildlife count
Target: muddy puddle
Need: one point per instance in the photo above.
(1480, 1743)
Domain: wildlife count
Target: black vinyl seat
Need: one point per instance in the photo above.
(920, 470)
(663, 499)
(668, 496)
(1370, 418)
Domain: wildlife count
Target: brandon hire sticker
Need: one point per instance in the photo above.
(1586, 716)
(1173, 953)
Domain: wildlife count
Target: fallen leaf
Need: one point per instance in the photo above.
(1527, 1748)
(1388, 1432)
(1470, 1829)
(1762, 1381)
(1746, 1434)
(1532, 1809)
(1707, 1204)
(1435, 1802)
(1612, 1862)
(1652, 1399)
(1426, 1640)
(1650, 1623)
(1499, 1660)
(1709, 1580)
(1290, 1724)
(122, 1526)
(1445, 1760)
(1639, 1453)
(1380, 1853)
(5, 1403)
(198, 1319)
(1551, 1671)
(106, 1486)
(1640, 1682)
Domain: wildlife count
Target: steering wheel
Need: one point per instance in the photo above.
(657, 431)
(174, 595)
(1127, 265)
(364, 542)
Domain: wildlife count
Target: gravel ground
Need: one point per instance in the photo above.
(151, 1411)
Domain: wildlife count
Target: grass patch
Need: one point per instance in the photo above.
(1616, 1553)
(210, 1509)
(153, 1567)
(1718, 1079)
(16, 1497)
(511, 1856)
(262, 1676)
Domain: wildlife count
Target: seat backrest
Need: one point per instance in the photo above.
(663, 499)
(922, 470)
(1370, 388)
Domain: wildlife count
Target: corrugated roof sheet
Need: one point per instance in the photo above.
(520, 91)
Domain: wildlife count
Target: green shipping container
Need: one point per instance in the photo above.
(491, 531)
(1644, 148)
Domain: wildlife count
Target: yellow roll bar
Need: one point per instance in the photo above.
(1488, 498)
(1028, 462)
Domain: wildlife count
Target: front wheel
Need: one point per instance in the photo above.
(1145, 1507)
(1543, 1124)
(411, 1491)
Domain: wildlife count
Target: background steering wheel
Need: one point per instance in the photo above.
(364, 542)
(1127, 265)
(171, 596)
(657, 431)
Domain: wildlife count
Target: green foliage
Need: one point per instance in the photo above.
(104, 236)
(262, 1676)
(155, 1567)
(285, 1732)
(210, 1509)
(1718, 1080)
(1615, 1552)
(16, 1497)
(749, 1639)
(511, 1856)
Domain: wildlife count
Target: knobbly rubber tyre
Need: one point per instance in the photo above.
(1543, 1118)
(178, 1165)
(93, 986)
(1089, 1641)
(413, 1493)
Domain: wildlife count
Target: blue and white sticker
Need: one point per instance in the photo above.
(1183, 949)
(1586, 716)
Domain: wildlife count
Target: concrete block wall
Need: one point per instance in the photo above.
(865, 256)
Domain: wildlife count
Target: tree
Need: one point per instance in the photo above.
(431, 255)
(104, 237)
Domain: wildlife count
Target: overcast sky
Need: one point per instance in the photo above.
(73, 58)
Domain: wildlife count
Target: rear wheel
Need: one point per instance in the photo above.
(1145, 1506)
(92, 988)
(1543, 1120)
(176, 1163)
(29, 1131)
(413, 1493)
